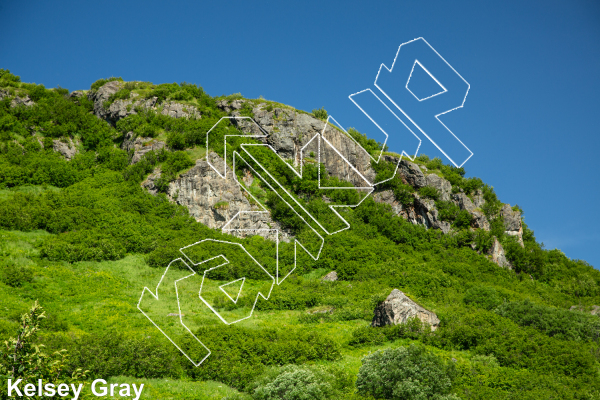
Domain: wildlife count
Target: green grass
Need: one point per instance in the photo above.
(26, 189)
(196, 152)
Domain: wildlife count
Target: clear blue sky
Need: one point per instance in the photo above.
(531, 117)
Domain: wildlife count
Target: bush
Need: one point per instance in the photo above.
(554, 322)
(15, 275)
(429, 192)
(405, 373)
(320, 113)
(294, 383)
(463, 219)
(482, 296)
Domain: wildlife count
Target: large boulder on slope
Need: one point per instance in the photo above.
(398, 308)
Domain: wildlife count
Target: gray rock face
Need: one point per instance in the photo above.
(443, 186)
(398, 308)
(102, 95)
(290, 131)
(478, 199)
(122, 108)
(76, 94)
(22, 101)
(463, 201)
(412, 174)
(140, 146)
(330, 277)
(4, 93)
(68, 150)
(498, 255)
(177, 110)
(512, 222)
(213, 201)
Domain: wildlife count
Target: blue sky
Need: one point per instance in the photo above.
(530, 117)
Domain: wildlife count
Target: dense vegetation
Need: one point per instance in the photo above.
(83, 237)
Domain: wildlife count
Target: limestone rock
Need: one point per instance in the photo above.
(443, 186)
(177, 110)
(22, 101)
(498, 255)
(478, 199)
(290, 131)
(122, 108)
(398, 308)
(213, 201)
(412, 174)
(330, 277)
(140, 146)
(68, 150)
(512, 223)
(463, 201)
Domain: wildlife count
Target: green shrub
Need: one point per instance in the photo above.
(448, 210)
(370, 145)
(117, 354)
(405, 373)
(15, 275)
(320, 113)
(429, 192)
(7, 77)
(294, 383)
(554, 322)
(463, 219)
(482, 296)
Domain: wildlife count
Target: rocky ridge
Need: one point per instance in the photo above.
(291, 134)
(290, 131)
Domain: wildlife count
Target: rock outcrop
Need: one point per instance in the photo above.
(213, 201)
(512, 222)
(398, 308)
(290, 131)
(122, 108)
(140, 146)
(67, 149)
(22, 101)
(498, 255)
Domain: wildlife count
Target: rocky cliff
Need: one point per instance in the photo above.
(213, 201)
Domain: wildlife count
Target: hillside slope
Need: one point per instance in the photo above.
(101, 188)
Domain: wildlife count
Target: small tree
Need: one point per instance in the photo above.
(294, 383)
(405, 373)
(24, 359)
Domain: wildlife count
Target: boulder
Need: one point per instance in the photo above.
(398, 308)
(330, 277)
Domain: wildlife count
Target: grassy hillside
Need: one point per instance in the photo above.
(84, 238)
